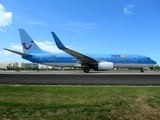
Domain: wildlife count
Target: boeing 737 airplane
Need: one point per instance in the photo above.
(75, 59)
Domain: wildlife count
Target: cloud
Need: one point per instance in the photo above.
(127, 9)
(48, 46)
(13, 46)
(5, 18)
(16, 46)
(82, 25)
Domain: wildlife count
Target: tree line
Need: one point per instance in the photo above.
(36, 68)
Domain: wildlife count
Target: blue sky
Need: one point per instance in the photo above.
(87, 26)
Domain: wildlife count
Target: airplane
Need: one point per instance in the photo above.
(70, 58)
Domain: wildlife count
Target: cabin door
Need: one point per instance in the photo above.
(142, 60)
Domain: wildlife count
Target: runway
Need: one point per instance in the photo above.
(129, 77)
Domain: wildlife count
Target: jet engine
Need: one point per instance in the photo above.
(105, 66)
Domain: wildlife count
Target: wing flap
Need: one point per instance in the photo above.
(81, 57)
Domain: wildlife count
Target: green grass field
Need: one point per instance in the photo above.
(79, 102)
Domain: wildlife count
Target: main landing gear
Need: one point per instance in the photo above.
(86, 70)
(142, 70)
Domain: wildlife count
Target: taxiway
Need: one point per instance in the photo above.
(129, 77)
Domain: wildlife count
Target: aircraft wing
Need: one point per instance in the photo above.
(19, 53)
(80, 57)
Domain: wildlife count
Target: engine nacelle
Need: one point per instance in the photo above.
(105, 66)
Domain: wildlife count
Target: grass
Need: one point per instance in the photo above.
(79, 102)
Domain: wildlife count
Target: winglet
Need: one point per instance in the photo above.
(58, 42)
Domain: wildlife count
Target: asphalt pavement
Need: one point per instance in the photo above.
(129, 77)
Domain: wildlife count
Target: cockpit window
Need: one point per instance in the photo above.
(149, 58)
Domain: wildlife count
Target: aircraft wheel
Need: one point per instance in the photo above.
(86, 70)
(142, 70)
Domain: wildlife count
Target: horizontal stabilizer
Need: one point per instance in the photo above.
(19, 53)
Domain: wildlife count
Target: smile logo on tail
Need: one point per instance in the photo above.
(27, 48)
(58, 44)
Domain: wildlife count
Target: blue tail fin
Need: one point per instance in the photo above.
(28, 44)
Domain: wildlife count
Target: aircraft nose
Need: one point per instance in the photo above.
(154, 62)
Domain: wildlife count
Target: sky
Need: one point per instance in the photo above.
(87, 26)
